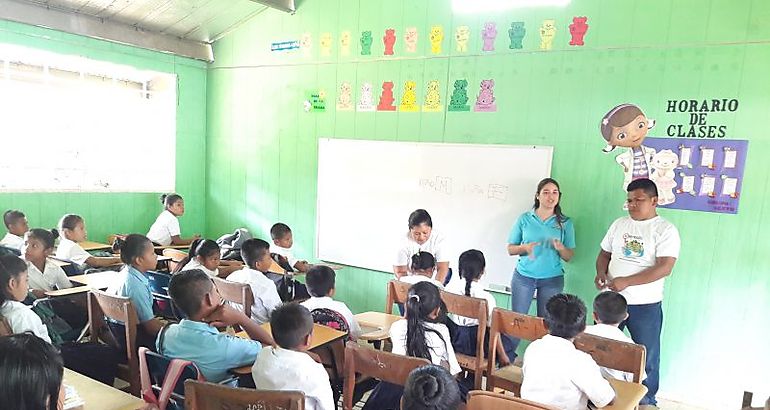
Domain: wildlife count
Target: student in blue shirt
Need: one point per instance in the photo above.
(542, 238)
(197, 338)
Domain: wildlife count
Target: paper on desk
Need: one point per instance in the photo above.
(72, 399)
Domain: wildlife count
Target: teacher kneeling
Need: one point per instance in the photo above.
(542, 238)
(421, 238)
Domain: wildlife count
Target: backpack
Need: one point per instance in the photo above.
(230, 244)
(332, 319)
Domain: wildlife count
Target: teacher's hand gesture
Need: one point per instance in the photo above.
(529, 248)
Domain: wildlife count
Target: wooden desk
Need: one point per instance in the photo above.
(67, 292)
(60, 263)
(180, 247)
(375, 326)
(100, 396)
(627, 394)
(98, 280)
(93, 246)
(322, 335)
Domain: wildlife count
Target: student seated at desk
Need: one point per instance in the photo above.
(555, 372)
(32, 372)
(73, 230)
(204, 254)
(610, 310)
(289, 366)
(197, 338)
(44, 275)
(256, 256)
(14, 285)
(16, 224)
(165, 231)
(423, 268)
(431, 387)
(320, 281)
(138, 255)
(283, 240)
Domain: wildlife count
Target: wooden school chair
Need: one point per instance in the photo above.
(176, 256)
(385, 366)
(614, 354)
(397, 293)
(163, 378)
(210, 396)
(484, 400)
(102, 305)
(477, 309)
(520, 326)
(238, 293)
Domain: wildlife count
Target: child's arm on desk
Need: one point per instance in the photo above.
(225, 315)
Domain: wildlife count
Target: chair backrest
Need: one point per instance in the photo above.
(475, 308)
(205, 396)
(388, 367)
(614, 354)
(514, 324)
(102, 305)
(235, 292)
(397, 293)
(163, 379)
(485, 400)
(176, 256)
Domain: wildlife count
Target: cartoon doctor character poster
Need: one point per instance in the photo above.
(626, 126)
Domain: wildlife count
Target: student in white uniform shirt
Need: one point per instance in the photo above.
(165, 231)
(16, 223)
(14, 285)
(421, 237)
(320, 281)
(204, 254)
(289, 366)
(555, 372)
(610, 310)
(423, 267)
(73, 230)
(283, 240)
(44, 275)
(256, 255)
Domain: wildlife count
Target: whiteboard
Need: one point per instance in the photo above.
(474, 194)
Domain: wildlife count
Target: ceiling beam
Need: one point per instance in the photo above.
(84, 25)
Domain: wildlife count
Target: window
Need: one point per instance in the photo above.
(70, 124)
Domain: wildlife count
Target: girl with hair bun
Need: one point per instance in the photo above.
(165, 231)
(431, 387)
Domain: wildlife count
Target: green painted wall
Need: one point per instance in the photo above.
(262, 147)
(117, 212)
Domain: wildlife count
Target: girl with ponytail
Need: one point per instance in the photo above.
(166, 231)
(204, 254)
(423, 268)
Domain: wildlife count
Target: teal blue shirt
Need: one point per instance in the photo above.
(547, 262)
(213, 352)
(136, 286)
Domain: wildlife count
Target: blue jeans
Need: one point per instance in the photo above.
(645, 323)
(523, 288)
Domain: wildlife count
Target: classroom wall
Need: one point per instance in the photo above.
(262, 146)
(107, 213)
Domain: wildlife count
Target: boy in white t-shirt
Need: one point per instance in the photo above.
(16, 224)
(320, 284)
(256, 256)
(283, 240)
(636, 255)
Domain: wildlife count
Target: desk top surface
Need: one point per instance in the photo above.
(376, 325)
(97, 395)
(96, 280)
(93, 246)
(627, 395)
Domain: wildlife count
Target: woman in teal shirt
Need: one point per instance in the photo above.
(542, 238)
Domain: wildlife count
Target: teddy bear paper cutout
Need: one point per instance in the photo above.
(578, 30)
(485, 102)
(488, 36)
(432, 98)
(389, 40)
(386, 98)
(516, 34)
(436, 37)
(366, 43)
(459, 99)
(409, 99)
(462, 35)
(410, 39)
(547, 34)
(366, 102)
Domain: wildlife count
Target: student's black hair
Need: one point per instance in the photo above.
(320, 280)
(610, 307)
(423, 298)
(290, 323)
(69, 221)
(560, 218)
(187, 289)
(12, 216)
(565, 315)
(31, 370)
(10, 268)
(279, 231)
(169, 199)
(422, 261)
(418, 217)
(431, 387)
(198, 247)
(252, 250)
(131, 247)
(645, 184)
(47, 237)
(471, 266)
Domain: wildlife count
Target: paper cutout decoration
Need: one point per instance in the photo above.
(459, 99)
(547, 34)
(345, 43)
(729, 186)
(708, 185)
(306, 44)
(366, 102)
(462, 35)
(578, 30)
(707, 157)
(684, 156)
(386, 98)
(326, 44)
(488, 36)
(366, 43)
(485, 102)
(626, 126)
(664, 163)
(731, 157)
(284, 45)
(436, 37)
(316, 101)
(516, 34)
(688, 184)
(433, 98)
(410, 39)
(345, 98)
(409, 99)
(389, 40)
